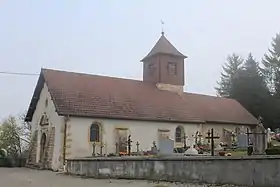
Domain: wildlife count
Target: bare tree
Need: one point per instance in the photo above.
(15, 135)
(26, 129)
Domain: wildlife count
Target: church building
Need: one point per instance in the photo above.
(75, 114)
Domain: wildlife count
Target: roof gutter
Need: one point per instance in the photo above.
(133, 119)
(66, 119)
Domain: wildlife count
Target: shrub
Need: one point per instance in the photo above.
(5, 162)
(3, 153)
(273, 151)
(269, 144)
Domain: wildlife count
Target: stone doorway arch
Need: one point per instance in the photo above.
(42, 145)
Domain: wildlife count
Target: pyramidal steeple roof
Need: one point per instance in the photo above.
(163, 46)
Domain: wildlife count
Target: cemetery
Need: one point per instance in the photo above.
(249, 155)
(245, 142)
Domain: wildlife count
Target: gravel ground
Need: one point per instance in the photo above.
(23, 177)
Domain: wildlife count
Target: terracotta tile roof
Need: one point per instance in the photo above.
(85, 95)
(163, 46)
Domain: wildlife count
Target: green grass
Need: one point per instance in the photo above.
(275, 143)
(238, 152)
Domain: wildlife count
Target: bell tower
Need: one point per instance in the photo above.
(164, 66)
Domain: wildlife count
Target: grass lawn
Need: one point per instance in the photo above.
(275, 143)
(238, 153)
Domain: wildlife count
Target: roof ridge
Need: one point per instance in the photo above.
(126, 79)
(89, 74)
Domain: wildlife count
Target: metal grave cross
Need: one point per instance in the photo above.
(211, 137)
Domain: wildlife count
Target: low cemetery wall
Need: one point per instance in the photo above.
(248, 171)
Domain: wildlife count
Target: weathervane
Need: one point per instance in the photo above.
(162, 28)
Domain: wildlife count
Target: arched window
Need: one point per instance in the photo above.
(95, 132)
(179, 134)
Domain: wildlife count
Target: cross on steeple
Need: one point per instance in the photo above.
(162, 27)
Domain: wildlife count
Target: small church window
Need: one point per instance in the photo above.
(151, 68)
(95, 132)
(46, 102)
(172, 68)
(179, 134)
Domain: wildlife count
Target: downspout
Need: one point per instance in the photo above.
(66, 119)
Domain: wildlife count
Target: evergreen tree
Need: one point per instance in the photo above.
(251, 91)
(250, 88)
(271, 70)
(230, 72)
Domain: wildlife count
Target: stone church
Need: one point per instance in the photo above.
(74, 114)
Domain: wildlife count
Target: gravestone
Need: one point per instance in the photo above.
(242, 141)
(166, 147)
(259, 139)
(228, 138)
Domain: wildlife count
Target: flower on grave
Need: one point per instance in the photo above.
(228, 154)
(222, 153)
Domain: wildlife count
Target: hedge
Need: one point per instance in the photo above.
(5, 162)
(12, 162)
(273, 150)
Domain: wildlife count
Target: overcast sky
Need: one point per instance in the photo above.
(110, 37)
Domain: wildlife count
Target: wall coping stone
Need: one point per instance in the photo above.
(177, 158)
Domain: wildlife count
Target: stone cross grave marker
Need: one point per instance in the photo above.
(137, 147)
(129, 141)
(258, 139)
(93, 149)
(228, 138)
(154, 148)
(192, 150)
(198, 137)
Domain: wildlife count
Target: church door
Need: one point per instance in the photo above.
(42, 145)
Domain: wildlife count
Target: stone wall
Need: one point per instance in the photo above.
(248, 171)
(50, 147)
(33, 148)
